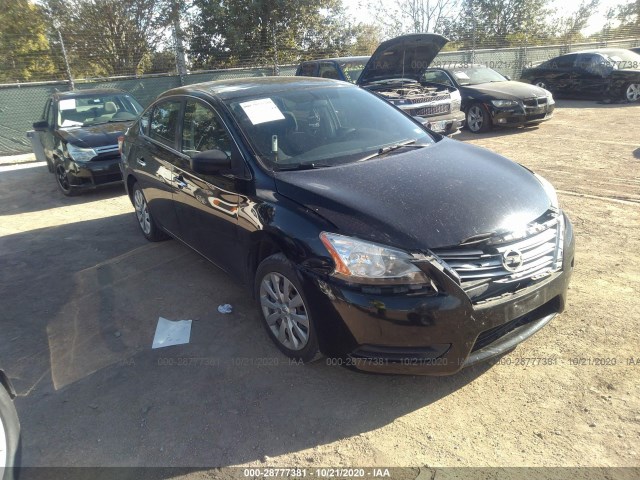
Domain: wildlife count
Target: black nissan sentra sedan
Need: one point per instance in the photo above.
(361, 234)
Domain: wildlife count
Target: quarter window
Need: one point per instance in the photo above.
(164, 123)
(203, 130)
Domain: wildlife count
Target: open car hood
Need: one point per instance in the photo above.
(402, 57)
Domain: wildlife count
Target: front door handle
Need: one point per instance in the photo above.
(180, 182)
(141, 162)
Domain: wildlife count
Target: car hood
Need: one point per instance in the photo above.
(433, 197)
(406, 56)
(91, 136)
(508, 89)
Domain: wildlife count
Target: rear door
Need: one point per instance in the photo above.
(207, 205)
(154, 157)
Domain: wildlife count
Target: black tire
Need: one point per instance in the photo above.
(478, 119)
(275, 269)
(62, 180)
(147, 224)
(540, 82)
(631, 92)
(11, 428)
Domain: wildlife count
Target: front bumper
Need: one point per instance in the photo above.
(518, 116)
(93, 174)
(435, 335)
(449, 124)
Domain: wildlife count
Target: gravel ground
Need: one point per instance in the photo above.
(82, 292)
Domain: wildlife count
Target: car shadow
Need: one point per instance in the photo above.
(77, 344)
(42, 191)
(636, 153)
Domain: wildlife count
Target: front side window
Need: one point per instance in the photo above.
(352, 70)
(164, 122)
(203, 130)
(329, 70)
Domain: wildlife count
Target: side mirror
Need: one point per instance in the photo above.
(210, 162)
(41, 126)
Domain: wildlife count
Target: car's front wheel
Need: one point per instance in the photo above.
(478, 119)
(62, 179)
(9, 436)
(149, 227)
(284, 309)
(541, 83)
(632, 92)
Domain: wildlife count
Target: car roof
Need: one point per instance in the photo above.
(607, 51)
(363, 58)
(87, 92)
(226, 89)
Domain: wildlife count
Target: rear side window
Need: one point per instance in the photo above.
(564, 62)
(329, 70)
(308, 69)
(164, 122)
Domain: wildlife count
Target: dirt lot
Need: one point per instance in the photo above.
(82, 292)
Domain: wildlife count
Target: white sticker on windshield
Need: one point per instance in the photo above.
(261, 111)
(68, 104)
(461, 75)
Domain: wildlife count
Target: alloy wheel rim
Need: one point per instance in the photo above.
(475, 119)
(633, 92)
(63, 180)
(3, 447)
(142, 212)
(284, 311)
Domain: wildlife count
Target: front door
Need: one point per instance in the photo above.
(207, 205)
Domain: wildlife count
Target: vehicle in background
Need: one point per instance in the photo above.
(394, 71)
(78, 136)
(361, 233)
(9, 430)
(603, 74)
(491, 99)
(635, 50)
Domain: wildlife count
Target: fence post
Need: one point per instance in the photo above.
(181, 62)
(56, 25)
(276, 67)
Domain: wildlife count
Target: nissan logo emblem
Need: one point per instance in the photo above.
(512, 260)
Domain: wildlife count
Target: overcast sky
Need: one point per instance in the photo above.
(564, 8)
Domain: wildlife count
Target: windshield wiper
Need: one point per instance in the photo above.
(301, 166)
(391, 148)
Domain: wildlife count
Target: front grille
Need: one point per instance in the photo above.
(535, 102)
(506, 261)
(431, 98)
(435, 110)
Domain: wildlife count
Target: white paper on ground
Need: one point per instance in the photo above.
(262, 110)
(169, 332)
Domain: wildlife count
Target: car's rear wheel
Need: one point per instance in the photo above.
(478, 119)
(147, 224)
(9, 436)
(284, 309)
(541, 83)
(62, 180)
(632, 92)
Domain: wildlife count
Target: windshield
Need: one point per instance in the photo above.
(623, 59)
(476, 75)
(324, 125)
(94, 109)
(352, 70)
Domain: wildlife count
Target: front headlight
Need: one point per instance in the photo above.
(80, 154)
(551, 192)
(550, 100)
(504, 103)
(365, 262)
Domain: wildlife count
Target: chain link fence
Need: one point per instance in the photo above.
(21, 104)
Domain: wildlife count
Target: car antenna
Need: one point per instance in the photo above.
(274, 147)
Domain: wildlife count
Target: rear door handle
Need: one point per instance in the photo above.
(180, 182)
(141, 162)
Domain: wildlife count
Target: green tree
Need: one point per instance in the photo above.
(416, 16)
(502, 23)
(248, 32)
(569, 28)
(110, 37)
(24, 47)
